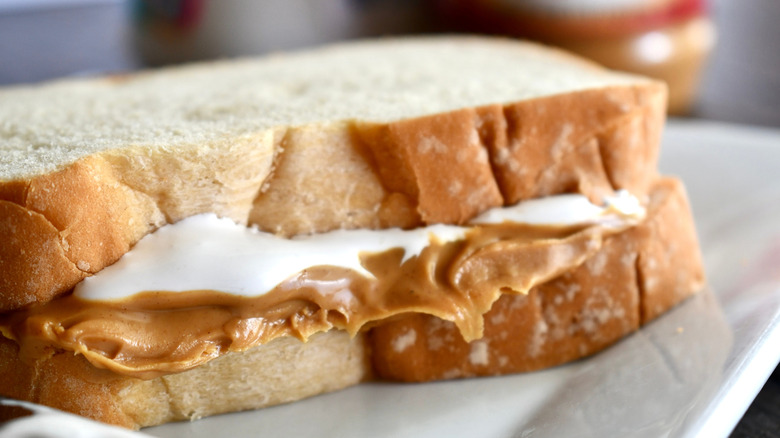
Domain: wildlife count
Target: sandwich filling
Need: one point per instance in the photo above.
(205, 286)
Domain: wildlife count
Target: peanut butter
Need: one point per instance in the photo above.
(158, 332)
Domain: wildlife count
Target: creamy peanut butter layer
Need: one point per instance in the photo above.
(159, 332)
(454, 273)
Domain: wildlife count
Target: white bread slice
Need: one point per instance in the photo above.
(373, 134)
(577, 314)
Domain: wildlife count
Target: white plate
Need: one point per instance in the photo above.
(693, 372)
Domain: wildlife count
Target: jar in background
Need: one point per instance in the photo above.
(665, 39)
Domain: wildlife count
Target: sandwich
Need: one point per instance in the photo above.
(231, 235)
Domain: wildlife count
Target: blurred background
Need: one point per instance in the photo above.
(720, 57)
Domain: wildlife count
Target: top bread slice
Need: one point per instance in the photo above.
(399, 132)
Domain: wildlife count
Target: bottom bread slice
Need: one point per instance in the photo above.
(281, 371)
(636, 276)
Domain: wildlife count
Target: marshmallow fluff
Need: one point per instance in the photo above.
(205, 252)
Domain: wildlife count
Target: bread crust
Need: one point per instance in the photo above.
(670, 265)
(621, 287)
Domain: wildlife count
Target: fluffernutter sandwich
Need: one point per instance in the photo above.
(231, 235)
